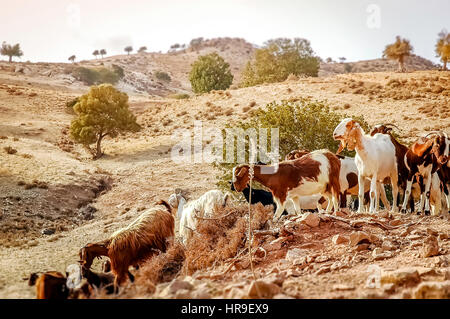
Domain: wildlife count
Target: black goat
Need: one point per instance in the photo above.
(259, 196)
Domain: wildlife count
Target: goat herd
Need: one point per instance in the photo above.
(309, 179)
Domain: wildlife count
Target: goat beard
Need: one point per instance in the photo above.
(341, 147)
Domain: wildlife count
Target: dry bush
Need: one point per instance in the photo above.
(161, 268)
(10, 150)
(217, 240)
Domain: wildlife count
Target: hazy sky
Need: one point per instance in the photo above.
(52, 30)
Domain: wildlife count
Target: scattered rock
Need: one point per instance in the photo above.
(322, 258)
(178, 284)
(395, 222)
(379, 254)
(387, 245)
(340, 239)
(294, 254)
(433, 290)
(48, 231)
(430, 247)
(342, 287)
(87, 212)
(402, 276)
(323, 270)
(358, 238)
(361, 247)
(389, 288)
(275, 244)
(432, 232)
(263, 289)
(312, 220)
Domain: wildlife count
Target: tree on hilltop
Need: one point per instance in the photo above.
(398, 51)
(11, 50)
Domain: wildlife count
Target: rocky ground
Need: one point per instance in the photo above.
(54, 198)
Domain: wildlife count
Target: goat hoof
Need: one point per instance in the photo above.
(403, 211)
(427, 212)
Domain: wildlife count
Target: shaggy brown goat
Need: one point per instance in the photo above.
(129, 246)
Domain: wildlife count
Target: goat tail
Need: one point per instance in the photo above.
(164, 203)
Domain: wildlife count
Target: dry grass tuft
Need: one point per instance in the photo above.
(217, 240)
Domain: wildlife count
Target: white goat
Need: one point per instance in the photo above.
(375, 159)
(202, 207)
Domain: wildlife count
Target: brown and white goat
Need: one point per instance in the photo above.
(441, 151)
(420, 159)
(313, 173)
(129, 246)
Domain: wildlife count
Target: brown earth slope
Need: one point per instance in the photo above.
(54, 199)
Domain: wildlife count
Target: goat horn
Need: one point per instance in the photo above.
(391, 124)
(433, 132)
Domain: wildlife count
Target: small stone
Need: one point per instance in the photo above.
(402, 276)
(395, 222)
(432, 232)
(340, 239)
(341, 214)
(361, 247)
(178, 284)
(341, 287)
(433, 290)
(430, 247)
(443, 236)
(387, 245)
(359, 237)
(321, 259)
(294, 253)
(275, 244)
(312, 220)
(282, 296)
(263, 289)
(323, 270)
(389, 288)
(379, 254)
(48, 231)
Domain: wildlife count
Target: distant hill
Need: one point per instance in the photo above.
(413, 63)
(140, 69)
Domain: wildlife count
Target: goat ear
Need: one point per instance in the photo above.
(341, 147)
(241, 172)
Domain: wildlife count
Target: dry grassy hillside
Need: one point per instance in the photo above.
(412, 63)
(140, 68)
(54, 199)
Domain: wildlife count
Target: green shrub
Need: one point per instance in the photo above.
(279, 58)
(303, 124)
(162, 76)
(210, 72)
(71, 103)
(118, 70)
(92, 76)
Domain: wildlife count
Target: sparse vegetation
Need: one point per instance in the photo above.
(210, 72)
(102, 52)
(278, 59)
(399, 51)
(91, 76)
(163, 76)
(179, 96)
(11, 50)
(72, 58)
(142, 49)
(302, 124)
(95, 53)
(100, 113)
